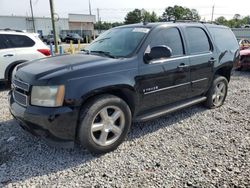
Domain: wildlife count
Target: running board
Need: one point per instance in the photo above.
(169, 109)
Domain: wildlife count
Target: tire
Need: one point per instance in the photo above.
(97, 131)
(217, 92)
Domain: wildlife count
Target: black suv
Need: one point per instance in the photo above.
(129, 73)
(74, 37)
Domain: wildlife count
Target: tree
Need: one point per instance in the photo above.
(137, 16)
(106, 25)
(133, 17)
(221, 20)
(236, 22)
(180, 13)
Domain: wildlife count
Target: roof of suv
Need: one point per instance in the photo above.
(16, 32)
(156, 24)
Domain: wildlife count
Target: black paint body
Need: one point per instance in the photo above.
(144, 86)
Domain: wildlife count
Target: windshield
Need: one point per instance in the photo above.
(118, 42)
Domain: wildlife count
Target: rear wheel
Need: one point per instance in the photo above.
(217, 93)
(104, 124)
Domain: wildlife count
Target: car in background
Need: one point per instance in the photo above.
(244, 62)
(244, 44)
(73, 37)
(17, 47)
(50, 39)
(62, 37)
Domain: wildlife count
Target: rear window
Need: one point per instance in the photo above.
(19, 41)
(224, 38)
(198, 40)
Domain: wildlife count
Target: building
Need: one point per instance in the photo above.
(241, 33)
(80, 23)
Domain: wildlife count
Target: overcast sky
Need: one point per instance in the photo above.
(115, 10)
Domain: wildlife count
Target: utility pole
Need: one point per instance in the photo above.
(32, 15)
(98, 21)
(212, 19)
(53, 24)
(98, 15)
(90, 12)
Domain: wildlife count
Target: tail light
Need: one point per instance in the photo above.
(45, 52)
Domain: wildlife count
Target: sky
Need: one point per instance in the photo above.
(116, 10)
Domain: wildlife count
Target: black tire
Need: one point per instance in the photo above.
(88, 115)
(210, 102)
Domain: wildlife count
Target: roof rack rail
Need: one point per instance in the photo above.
(195, 21)
(8, 29)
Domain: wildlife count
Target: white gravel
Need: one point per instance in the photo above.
(195, 147)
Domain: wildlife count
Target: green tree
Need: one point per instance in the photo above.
(133, 17)
(180, 13)
(106, 25)
(221, 20)
(137, 16)
(236, 22)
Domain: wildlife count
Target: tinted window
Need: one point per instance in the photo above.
(2, 42)
(198, 40)
(19, 41)
(170, 37)
(224, 39)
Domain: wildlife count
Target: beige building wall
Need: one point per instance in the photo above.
(81, 26)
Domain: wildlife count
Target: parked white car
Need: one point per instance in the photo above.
(17, 47)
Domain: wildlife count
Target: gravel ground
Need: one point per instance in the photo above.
(195, 147)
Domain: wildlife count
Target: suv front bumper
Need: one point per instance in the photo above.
(56, 125)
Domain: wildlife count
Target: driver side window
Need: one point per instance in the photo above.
(170, 37)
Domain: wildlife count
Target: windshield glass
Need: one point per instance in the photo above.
(118, 42)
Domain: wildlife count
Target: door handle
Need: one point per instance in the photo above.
(8, 55)
(212, 60)
(182, 66)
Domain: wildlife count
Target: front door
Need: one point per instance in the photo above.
(165, 81)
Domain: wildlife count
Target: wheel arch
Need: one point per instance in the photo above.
(224, 71)
(10, 68)
(125, 92)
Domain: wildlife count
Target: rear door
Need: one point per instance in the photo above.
(165, 81)
(202, 58)
(7, 55)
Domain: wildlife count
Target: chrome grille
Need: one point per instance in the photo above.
(20, 92)
(20, 98)
(21, 85)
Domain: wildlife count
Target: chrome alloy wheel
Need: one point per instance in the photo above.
(107, 125)
(219, 93)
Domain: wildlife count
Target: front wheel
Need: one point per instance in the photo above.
(217, 93)
(104, 124)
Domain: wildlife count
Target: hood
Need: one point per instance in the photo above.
(58, 65)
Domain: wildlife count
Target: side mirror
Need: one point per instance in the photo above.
(158, 52)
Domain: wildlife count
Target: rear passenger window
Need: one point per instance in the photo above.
(224, 38)
(19, 41)
(198, 40)
(2, 42)
(170, 37)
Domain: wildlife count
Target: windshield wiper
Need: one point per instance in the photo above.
(103, 53)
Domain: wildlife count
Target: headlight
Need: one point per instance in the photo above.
(47, 96)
